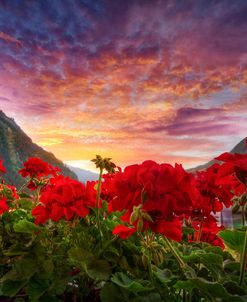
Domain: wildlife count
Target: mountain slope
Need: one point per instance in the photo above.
(241, 148)
(16, 147)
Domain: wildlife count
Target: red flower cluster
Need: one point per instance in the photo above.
(2, 169)
(3, 205)
(214, 195)
(64, 198)
(152, 196)
(208, 232)
(160, 194)
(8, 193)
(36, 168)
(234, 164)
(161, 197)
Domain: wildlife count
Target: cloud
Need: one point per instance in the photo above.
(10, 39)
(204, 122)
(3, 99)
(150, 76)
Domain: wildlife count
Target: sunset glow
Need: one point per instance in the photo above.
(131, 80)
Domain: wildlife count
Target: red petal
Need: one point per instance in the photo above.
(170, 229)
(123, 231)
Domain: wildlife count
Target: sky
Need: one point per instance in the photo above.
(132, 80)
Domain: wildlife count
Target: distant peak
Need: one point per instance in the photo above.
(10, 122)
(3, 114)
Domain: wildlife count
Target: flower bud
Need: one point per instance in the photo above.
(147, 217)
(139, 225)
(235, 208)
(134, 216)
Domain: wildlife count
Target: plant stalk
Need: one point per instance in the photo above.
(243, 260)
(243, 218)
(175, 253)
(97, 206)
(148, 242)
(150, 272)
(200, 232)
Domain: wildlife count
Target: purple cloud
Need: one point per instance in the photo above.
(199, 121)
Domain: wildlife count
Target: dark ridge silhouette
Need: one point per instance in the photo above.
(16, 147)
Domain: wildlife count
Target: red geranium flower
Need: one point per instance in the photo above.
(9, 192)
(36, 168)
(123, 231)
(2, 169)
(234, 163)
(209, 232)
(214, 194)
(162, 192)
(171, 229)
(3, 205)
(64, 198)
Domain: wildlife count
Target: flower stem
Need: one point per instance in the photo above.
(97, 206)
(107, 245)
(243, 218)
(37, 197)
(150, 271)
(175, 253)
(149, 264)
(200, 232)
(243, 260)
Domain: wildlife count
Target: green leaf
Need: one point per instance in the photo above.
(154, 297)
(10, 288)
(99, 270)
(25, 226)
(24, 195)
(112, 293)
(96, 269)
(10, 275)
(214, 249)
(193, 257)
(80, 257)
(188, 231)
(26, 267)
(25, 203)
(210, 290)
(124, 281)
(48, 266)
(233, 288)
(15, 250)
(233, 238)
(164, 276)
(213, 262)
(187, 285)
(231, 266)
(36, 287)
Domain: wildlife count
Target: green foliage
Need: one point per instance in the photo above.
(66, 261)
(233, 238)
(211, 291)
(25, 226)
(127, 289)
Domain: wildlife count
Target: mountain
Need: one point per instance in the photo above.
(240, 148)
(84, 175)
(16, 147)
